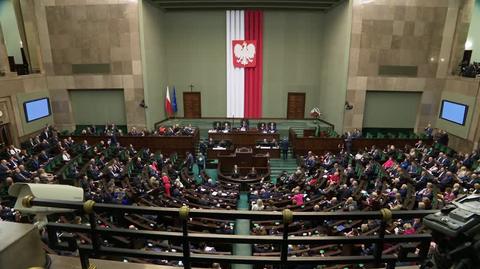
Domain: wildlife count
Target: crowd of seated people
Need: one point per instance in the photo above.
(224, 143)
(112, 173)
(244, 126)
(162, 130)
(414, 177)
(470, 70)
(267, 144)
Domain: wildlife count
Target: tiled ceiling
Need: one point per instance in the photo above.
(321, 5)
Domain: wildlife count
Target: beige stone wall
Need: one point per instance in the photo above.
(90, 32)
(402, 33)
(9, 88)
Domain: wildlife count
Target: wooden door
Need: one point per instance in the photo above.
(5, 138)
(296, 105)
(192, 105)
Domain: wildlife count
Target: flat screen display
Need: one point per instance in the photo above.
(37, 109)
(454, 112)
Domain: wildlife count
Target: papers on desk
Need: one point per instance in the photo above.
(212, 131)
(265, 147)
(219, 148)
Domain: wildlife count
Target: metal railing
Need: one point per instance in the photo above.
(95, 249)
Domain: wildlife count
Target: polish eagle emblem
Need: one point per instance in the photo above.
(244, 52)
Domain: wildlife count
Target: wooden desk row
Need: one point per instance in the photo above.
(213, 153)
(165, 144)
(320, 145)
(244, 139)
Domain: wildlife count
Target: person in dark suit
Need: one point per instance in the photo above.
(188, 161)
(226, 127)
(44, 145)
(24, 171)
(43, 157)
(45, 135)
(13, 163)
(272, 127)
(92, 130)
(203, 148)
(264, 143)
(235, 172)
(101, 161)
(262, 127)
(201, 162)
(5, 170)
(111, 175)
(429, 131)
(85, 146)
(284, 148)
(244, 125)
(19, 177)
(93, 171)
(35, 163)
(252, 174)
(348, 142)
(217, 126)
(223, 143)
(31, 143)
(211, 143)
(274, 143)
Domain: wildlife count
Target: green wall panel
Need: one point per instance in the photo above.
(292, 59)
(391, 109)
(334, 68)
(98, 106)
(33, 126)
(188, 47)
(152, 35)
(195, 53)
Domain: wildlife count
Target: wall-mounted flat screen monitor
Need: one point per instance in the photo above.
(37, 109)
(454, 112)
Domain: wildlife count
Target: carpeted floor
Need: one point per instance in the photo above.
(242, 227)
(277, 166)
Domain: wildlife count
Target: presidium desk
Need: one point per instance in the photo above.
(241, 139)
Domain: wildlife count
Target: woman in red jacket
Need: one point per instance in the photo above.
(166, 184)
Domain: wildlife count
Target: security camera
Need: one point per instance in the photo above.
(44, 191)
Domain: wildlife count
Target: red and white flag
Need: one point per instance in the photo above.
(244, 63)
(168, 104)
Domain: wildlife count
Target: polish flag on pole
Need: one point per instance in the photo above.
(168, 104)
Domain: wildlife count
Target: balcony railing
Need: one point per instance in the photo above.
(95, 249)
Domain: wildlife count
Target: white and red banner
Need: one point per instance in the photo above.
(244, 63)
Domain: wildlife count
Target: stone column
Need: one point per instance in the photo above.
(4, 66)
